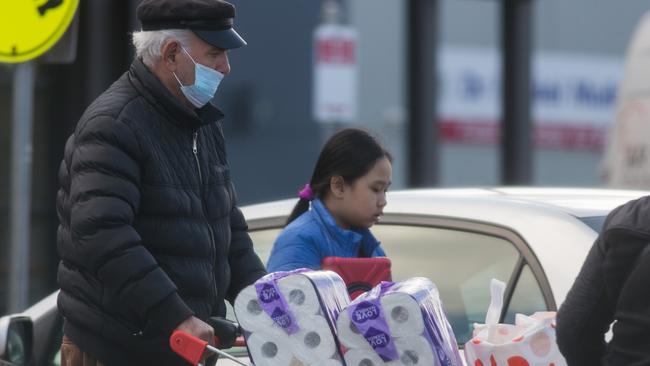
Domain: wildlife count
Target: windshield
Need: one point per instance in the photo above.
(594, 222)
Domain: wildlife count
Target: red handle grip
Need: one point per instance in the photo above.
(187, 346)
(240, 342)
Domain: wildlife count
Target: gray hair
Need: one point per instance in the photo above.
(148, 44)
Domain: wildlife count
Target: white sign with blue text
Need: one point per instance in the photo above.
(573, 95)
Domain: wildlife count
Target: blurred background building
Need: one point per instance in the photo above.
(273, 139)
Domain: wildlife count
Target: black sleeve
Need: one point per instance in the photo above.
(629, 279)
(585, 315)
(608, 288)
(245, 265)
(105, 198)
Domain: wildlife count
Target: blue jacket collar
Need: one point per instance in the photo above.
(352, 237)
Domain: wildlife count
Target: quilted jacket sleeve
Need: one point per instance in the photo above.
(599, 293)
(245, 265)
(105, 195)
(584, 317)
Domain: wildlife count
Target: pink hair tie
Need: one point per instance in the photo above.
(306, 193)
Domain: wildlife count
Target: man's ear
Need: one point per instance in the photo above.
(337, 186)
(169, 54)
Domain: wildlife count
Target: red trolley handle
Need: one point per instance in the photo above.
(192, 348)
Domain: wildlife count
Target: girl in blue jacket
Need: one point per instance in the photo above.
(344, 198)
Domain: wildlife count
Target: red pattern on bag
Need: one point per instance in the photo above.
(517, 361)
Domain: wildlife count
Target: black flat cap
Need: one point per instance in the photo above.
(211, 20)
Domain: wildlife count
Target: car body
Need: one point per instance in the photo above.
(534, 239)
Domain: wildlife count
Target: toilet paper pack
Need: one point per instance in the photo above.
(288, 318)
(398, 324)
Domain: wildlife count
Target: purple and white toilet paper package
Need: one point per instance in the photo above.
(398, 324)
(288, 318)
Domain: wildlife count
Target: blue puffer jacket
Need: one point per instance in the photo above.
(315, 235)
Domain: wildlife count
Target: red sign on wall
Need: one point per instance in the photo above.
(336, 50)
(335, 74)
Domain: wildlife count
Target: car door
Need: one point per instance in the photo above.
(460, 257)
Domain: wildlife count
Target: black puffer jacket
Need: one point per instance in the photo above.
(613, 285)
(149, 231)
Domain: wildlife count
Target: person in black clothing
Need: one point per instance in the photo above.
(611, 287)
(150, 237)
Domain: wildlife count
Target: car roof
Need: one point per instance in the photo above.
(578, 202)
(548, 219)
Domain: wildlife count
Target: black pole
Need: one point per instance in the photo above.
(108, 43)
(516, 152)
(422, 126)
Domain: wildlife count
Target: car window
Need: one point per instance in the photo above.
(594, 222)
(460, 263)
(56, 359)
(55, 346)
(263, 241)
(527, 297)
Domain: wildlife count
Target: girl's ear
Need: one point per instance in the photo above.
(337, 186)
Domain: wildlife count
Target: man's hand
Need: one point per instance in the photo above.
(197, 328)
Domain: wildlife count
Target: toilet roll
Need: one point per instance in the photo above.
(328, 362)
(349, 335)
(333, 293)
(415, 351)
(403, 314)
(249, 313)
(361, 357)
(314, 342)
(300, 294)
(270, 351)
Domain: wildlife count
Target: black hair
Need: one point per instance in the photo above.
(349, 153)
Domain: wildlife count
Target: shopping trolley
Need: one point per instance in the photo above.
(193, 349)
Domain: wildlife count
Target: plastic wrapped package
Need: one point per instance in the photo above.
(399, 323)
(289, 318)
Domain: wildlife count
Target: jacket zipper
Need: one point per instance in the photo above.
(195, 151)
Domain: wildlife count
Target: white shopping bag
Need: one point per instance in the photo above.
(528, 342)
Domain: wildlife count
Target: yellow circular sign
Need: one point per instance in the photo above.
(28, 28)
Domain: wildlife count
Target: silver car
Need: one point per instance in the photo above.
(534, 239)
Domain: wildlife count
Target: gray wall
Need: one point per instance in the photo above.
(272, 140)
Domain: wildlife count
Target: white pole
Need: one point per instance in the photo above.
(21, 170)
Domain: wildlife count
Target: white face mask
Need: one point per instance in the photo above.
(206, 82)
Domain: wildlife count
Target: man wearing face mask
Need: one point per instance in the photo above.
(150, 237)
